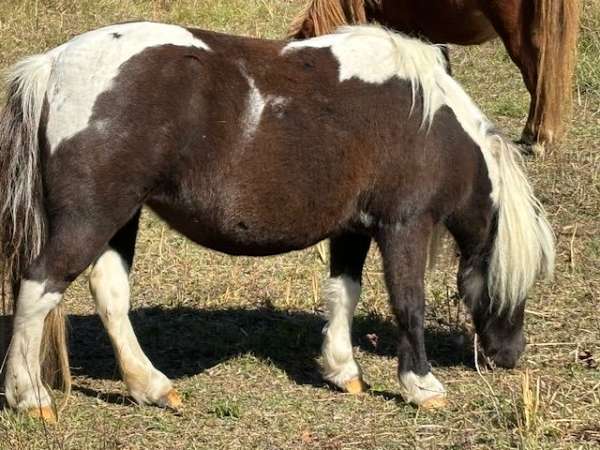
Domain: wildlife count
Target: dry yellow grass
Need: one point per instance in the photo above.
(240, 336)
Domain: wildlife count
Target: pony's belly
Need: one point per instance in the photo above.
(234, 235)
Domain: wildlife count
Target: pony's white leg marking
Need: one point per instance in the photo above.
(424, 391)
(24, 389)
(109, 284)
(342, 295)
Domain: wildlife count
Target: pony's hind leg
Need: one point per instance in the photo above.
(342, 290)
(73, 243)
(109, 284)
(404, 252)
(23, 383)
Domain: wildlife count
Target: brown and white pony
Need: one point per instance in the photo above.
(539, 35)
(255, 147)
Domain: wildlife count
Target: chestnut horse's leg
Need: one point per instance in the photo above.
(540, 37)
(342, 290)
(404, 251)
(109, 284)
(513, 21)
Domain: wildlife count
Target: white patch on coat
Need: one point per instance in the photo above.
(256, 103)
(23, 384)
(85, 67)
(417, 389)
(342, 294)
(109, 283)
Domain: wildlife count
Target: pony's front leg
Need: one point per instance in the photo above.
(404, 252)
(109, 283)
(342, 291)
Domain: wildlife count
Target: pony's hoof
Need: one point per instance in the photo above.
(355, 386)
(172, 400)
(437, 402)
(46, 413)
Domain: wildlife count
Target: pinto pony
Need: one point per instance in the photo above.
(255, 147)
(539, 35)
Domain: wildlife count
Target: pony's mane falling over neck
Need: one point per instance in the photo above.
(523, 247)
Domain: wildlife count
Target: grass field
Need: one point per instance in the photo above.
(240, 337)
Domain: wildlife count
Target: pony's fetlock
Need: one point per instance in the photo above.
(423, 391)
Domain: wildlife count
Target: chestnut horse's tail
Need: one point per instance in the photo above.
(324, 16)
(557, 27)
(23, 221)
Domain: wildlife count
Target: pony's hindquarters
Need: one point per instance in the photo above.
(23, 232)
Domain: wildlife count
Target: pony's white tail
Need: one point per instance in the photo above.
(21, 219)
(524, 244)
(22, 213)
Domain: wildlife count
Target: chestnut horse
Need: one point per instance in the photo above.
(539, 35)
(255, 147)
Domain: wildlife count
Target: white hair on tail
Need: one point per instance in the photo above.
(524, 244)
(27, 81)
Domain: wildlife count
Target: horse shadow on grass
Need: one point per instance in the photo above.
(185, 341)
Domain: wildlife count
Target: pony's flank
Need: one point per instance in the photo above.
(524, 245)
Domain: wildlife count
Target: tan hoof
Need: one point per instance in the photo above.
(46, 413)
(437, 402)
(172, 400)
(355, 386)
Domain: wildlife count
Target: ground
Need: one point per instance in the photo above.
(240, 337)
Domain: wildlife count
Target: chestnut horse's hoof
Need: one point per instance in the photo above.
(530, 149)
(171, 400)
(46, 413)
(437, 402)
(355, 386)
